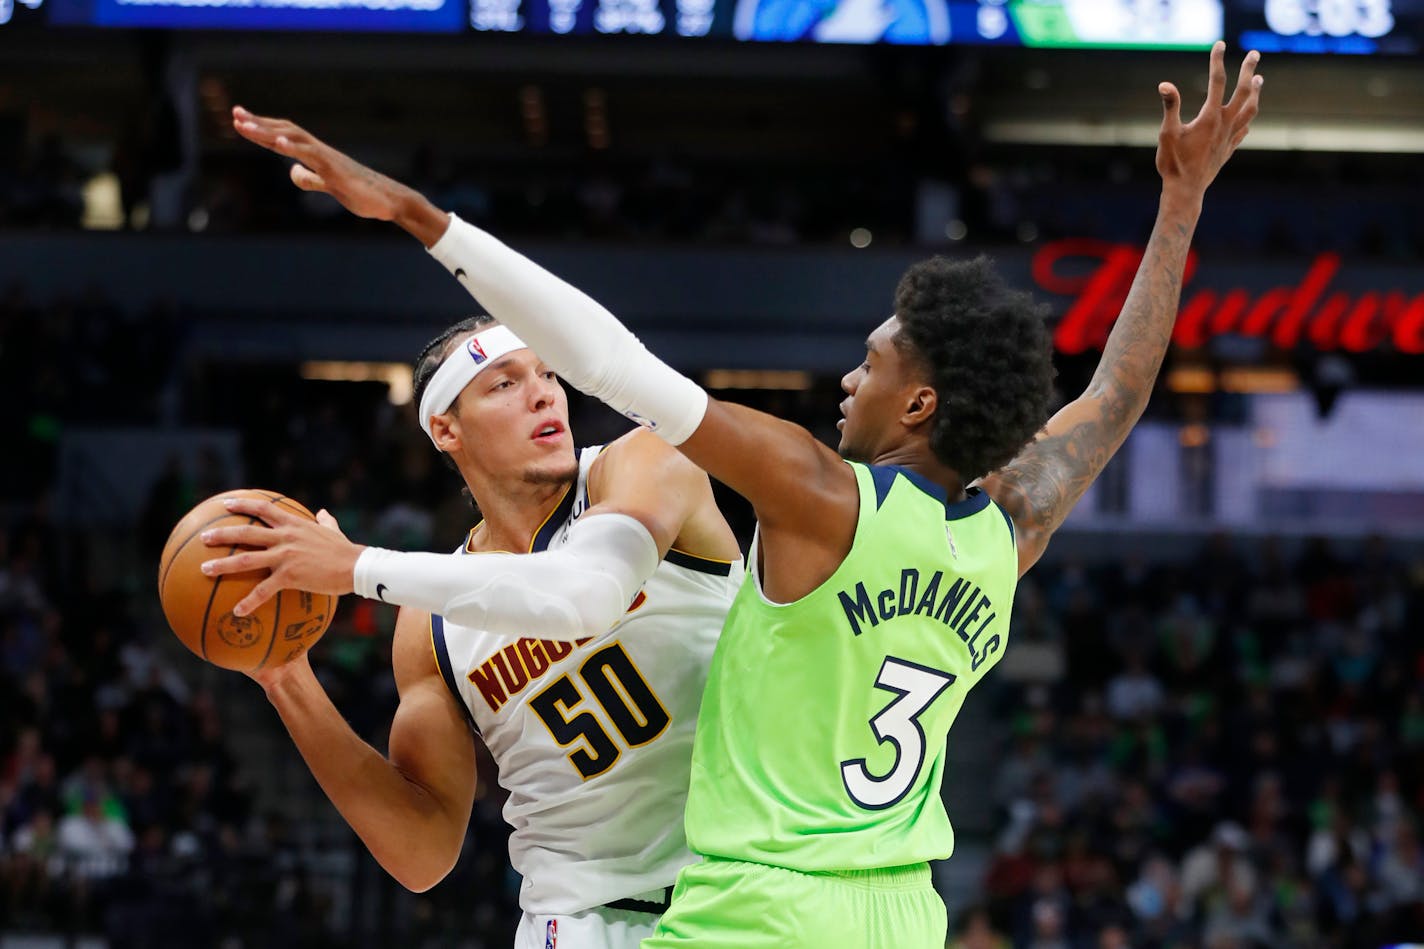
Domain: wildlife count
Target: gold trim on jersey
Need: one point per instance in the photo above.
(688, 553)
(533, 538)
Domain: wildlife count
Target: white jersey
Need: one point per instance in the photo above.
(594, 739)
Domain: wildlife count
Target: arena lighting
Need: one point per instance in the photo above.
(1309, 312)
(103, 209)
(1196, 380)
(781, 379)
(1194, 436)
(396, 375)
(1266, 135)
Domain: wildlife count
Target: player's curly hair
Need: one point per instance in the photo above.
(986, 350)
(438, 350)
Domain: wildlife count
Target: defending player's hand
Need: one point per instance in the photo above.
(319, 167)
(1189, 156)
(302, 555)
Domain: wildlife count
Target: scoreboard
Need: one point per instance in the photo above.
(1149, 24)
(1273, 26)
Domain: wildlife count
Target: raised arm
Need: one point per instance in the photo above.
(1040, 486)
(410, 809)
(787, 475)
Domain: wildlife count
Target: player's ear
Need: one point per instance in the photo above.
(921, 406)
(445, 429)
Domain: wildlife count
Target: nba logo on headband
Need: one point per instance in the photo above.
(485, 349)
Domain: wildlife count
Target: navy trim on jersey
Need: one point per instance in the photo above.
(447, 672)
(1009, 521)
(555, 520)
(717, 568)
(924, 484)
(883, 477)
(975, 500)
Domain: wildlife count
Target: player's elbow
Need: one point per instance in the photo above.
(422, 873)
(419, 883)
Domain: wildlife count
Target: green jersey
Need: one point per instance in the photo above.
(821, 739)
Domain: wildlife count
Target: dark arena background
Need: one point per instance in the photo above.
(1208, 729)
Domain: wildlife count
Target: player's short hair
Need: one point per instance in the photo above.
(438, 350)
(986, 350)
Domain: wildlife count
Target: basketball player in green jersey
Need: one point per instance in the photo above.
(880, 584)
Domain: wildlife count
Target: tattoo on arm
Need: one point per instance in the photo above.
(1041, 485)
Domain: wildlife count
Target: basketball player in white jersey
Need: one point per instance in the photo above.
(580, 660)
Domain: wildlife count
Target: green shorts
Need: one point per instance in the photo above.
(727, 903)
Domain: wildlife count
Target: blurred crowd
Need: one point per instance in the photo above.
(1223, 753)
(121, 806)
(929, 181)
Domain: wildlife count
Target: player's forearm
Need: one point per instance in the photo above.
(406, 830)
(1139, 339)
(1041, 485)
(577, 590)
(574, 334)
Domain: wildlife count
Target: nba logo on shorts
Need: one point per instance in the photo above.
(477, 352)
(551, 934)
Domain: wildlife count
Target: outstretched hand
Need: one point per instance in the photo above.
(319, 167)
(301, 554)
(1190, 155)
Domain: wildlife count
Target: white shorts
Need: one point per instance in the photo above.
(597, 928)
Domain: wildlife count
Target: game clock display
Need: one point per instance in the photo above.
(1361, 27)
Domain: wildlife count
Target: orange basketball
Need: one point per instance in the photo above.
(199, 608)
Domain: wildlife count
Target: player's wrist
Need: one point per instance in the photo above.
(1180, 199)
(418, 217)
(282, 681)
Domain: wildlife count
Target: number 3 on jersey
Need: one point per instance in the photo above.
(916, 687)
(626, 699)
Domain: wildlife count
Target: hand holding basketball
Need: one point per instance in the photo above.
(201, 608)
(300, 553)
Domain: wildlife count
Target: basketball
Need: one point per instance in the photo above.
(199, 608)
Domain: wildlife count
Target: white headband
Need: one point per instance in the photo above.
(456, 372)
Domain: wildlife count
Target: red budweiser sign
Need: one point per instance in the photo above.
(1307, 311)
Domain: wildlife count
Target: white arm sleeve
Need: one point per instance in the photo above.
(580, 589)
(572, 332)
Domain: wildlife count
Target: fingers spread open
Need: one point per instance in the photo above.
(1216, 78)
(254, 132)
(238, 563)
(248, 535)
(1245, 80)
(1171, 106)
(325, 519)
(260, 594)
(256, 507)
(1250, 106)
